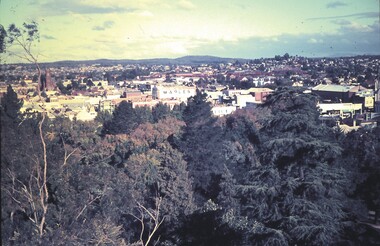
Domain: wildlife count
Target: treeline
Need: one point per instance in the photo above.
(270, 176)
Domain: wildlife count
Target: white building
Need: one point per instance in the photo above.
(242, 100)
(223, 110)
(340, 108)
(181, 93)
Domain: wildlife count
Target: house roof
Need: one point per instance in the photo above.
(332, 88)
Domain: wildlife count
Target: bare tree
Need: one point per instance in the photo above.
(37, 202)
(149, 216)
(66, 155)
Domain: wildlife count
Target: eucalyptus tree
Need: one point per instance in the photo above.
(30, 195)
(20, 42)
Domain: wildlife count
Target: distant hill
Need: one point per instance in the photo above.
(206, 59)
(185, 60)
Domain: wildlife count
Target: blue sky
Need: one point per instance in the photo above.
(124, 29)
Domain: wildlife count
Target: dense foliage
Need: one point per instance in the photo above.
(141, 176)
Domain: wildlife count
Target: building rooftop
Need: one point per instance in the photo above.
(333, 88)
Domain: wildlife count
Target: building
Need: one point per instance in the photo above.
(232, 92)
(215, 97)
(344, 110)
(181, 93)
(153, 103)
(340, 93)
(222, 110)
(365, 97)
(260, 94)
(47, 82)
(333, 93)
(242, 100)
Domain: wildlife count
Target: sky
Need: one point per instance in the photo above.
(139, 29)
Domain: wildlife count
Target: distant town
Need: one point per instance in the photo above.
(348, 87)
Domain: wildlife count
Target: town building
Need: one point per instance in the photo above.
(344, 110)
(222, 110)
(182, 93)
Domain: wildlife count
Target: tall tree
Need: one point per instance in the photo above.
(159, 172)
(122, 120)
(295, 195)
(197, 111)
(201, 142)
(3, 33)
(10, 106)
(35, 195)
(160, 111)
(361, 157)
(125, 119)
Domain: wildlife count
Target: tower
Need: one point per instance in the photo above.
(50, 85)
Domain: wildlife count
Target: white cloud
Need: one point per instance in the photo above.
(185, 4)
(315, 41)
(356, 27)
(104, 26)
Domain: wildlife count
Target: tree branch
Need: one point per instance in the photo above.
(153, 216)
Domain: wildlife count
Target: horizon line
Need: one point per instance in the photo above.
(186, 56)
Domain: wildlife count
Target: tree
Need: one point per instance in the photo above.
(197, 111)
(122, 120)
(153, 216)
(24, 179)
(200, 143)
(298, 185)
(94, 198)
(241, 143)
(158, 173)
(160, 112)
(24, 37)
(3, 34)
(103, 116)
(361, 158)
(143, 115)
(89, 83)
(178, 110)
(30, 193)
(10, 106)
(294, 195)
(125, 119)
(64, 89)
